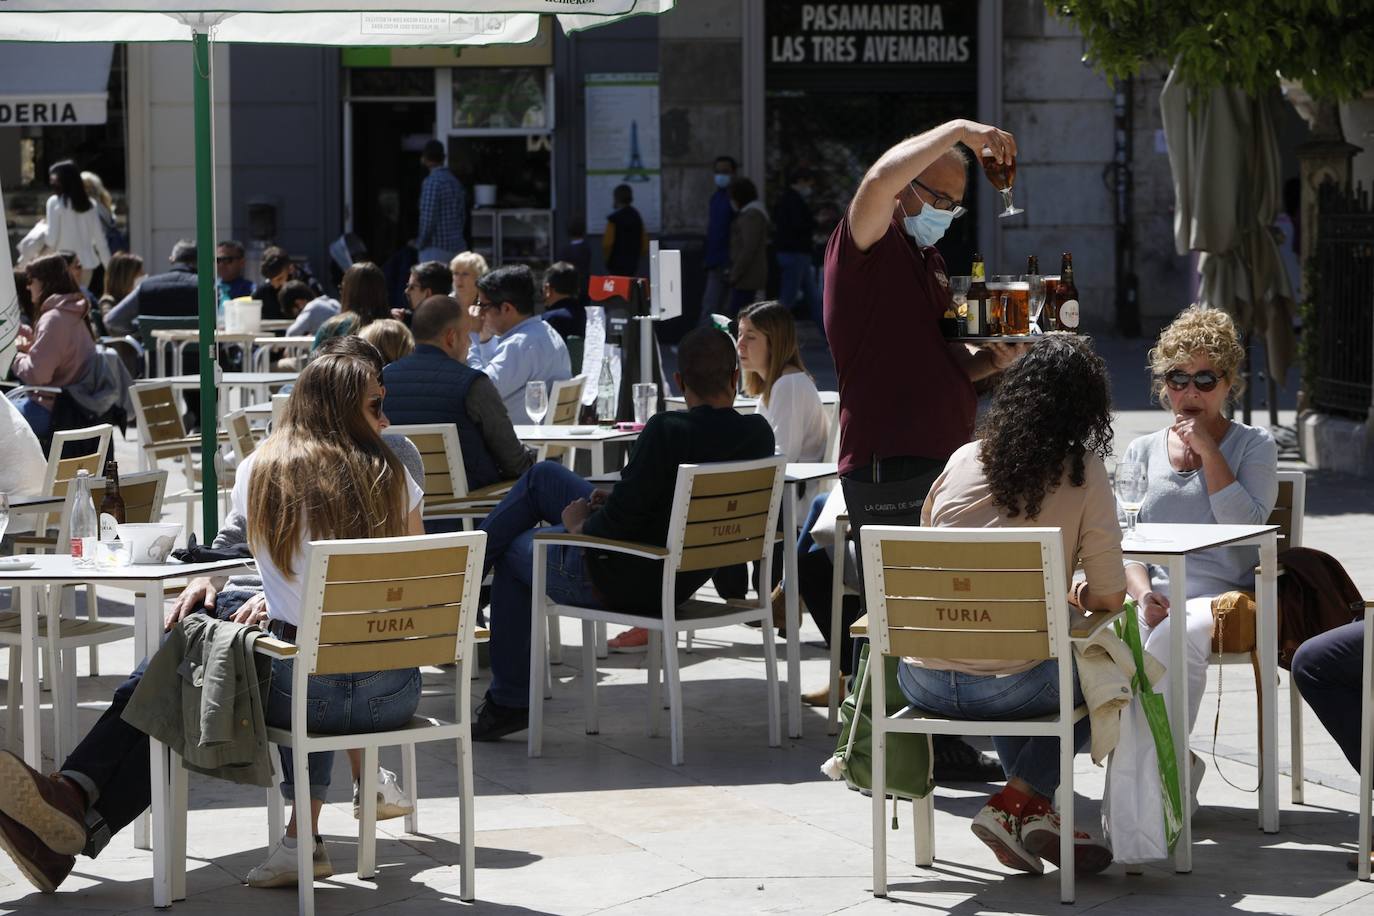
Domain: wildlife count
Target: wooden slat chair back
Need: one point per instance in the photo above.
(565, 403)
(380, 604)
(93, 442)
(159, 420)
(241, 435)
(446, 481)
(142, 491)
(974, 594)
(722, 514)
(1289, 508)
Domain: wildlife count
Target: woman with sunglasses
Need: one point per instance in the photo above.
(1202, 468)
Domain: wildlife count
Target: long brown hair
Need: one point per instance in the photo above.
(774, 321)
(324, 472)
(124, 269)
(54, 279)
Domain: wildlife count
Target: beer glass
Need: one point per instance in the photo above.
(1003, 176)
(996, 327)
(1036, 282)
(1016, 307)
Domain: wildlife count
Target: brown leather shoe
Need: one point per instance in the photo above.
(821, 697)
(780, 610)
(44, 868)
(53, 809)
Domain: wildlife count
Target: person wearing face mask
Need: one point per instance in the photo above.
(906, 394)
(793, 242)
(720, 215)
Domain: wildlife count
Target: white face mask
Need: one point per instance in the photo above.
(928, 226)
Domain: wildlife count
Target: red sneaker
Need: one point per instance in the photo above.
(1040, 832)
(635, 639)
(1000, 830)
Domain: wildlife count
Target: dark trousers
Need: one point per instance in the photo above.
(814, 579)
(1327, 670)
(114, 755)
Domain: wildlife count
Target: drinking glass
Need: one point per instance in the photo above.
(4, 512)
(536, 401)
(1036, 282)
(646, 399)
(1131, 485)
(958, 291)
(1003, 176)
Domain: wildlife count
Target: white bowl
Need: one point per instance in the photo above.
(150, 543)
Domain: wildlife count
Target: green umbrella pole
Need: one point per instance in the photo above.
(205, 273)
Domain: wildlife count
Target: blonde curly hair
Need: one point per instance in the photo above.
(1198, 329)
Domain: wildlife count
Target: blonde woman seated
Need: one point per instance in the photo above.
(1037, 462)
(1202, 468)
(391, 338)
(333, 420)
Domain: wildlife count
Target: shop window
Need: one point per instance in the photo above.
(521, 167)
(388, 82)
(502, 98)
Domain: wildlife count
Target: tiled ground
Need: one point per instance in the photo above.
(603, 824)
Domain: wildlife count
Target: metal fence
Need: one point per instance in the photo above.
(1345, 303)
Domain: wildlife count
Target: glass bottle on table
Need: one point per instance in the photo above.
(1066, 311)
(605, 394)
(977, 299)
(84, 528)
(111, 504)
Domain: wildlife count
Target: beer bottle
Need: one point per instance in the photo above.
(1066, 314)
(112, 503)
(1033, 266)
(978, 300)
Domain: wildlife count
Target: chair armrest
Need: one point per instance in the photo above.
(481, 634)
(648, 551)
(497, 490)
(15, 392)
(271, 645)
(859, 627)
(1085, 624)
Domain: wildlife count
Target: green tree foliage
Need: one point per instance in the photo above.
(1327, 45)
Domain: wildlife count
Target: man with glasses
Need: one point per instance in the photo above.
(514, 346)
(906, 394)
(229, 263)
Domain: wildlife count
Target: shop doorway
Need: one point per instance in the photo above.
(386, 141)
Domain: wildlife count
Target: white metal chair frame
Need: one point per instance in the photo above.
(57, 616)
(697, 539)
(162, 434)
(362, 620)
(998, 621)
(446, 477)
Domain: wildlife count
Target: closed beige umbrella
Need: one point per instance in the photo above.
(1224, 155)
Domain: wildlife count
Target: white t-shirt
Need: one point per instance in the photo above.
(284, 592)
(795, 412)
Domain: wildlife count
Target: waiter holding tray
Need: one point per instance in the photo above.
(906, 394)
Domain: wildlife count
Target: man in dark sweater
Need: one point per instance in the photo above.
(636, 510)
(562, 307)
(434, 385)
(174, 293)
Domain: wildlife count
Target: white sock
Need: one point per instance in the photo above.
(288, 841)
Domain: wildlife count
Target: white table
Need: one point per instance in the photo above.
(180, 338)
(592, 438)
(263, 346)
(1168, 545)
(798, 475)
(256, 385)
(148, 584)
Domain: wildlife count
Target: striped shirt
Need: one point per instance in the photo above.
(442, 206)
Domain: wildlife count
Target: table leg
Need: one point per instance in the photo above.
(66, 716)
(163, 840)
(1178, 707)
(142, 649)
(598, 453)
(1267, 642)
(789, 567)
(27, 596)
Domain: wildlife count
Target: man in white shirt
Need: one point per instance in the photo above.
(514, 346)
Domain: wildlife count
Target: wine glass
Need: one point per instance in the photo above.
(1037, 299)
(536, 401)
(1131, 484)
(1003, 176)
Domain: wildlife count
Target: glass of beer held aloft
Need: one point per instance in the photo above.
(1003, 176)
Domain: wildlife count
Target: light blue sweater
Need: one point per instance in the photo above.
(1181, 496)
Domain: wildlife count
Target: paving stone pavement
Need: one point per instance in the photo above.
(604, 824)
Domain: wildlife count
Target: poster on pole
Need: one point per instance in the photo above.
(9, 297)
(622, 146)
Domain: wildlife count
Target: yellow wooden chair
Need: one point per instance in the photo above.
(969, 593)
(723, 514)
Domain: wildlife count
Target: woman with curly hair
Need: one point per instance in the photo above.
(1203, 469)
(1037, 462)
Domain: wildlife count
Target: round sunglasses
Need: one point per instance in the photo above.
(1206, 380)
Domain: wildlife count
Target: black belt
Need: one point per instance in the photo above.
(282, 630)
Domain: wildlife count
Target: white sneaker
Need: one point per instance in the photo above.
(391, 798)
(280, 868)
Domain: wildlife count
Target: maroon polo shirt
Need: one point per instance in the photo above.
(901, 391)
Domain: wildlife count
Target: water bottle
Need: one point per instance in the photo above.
(605, 394)
(85, 529)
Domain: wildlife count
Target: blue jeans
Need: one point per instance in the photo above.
(988, 698)
(39, 417)
(538, 497)
(798, 276)
(340, 704)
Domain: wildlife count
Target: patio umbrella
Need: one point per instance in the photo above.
(309, 22)
(1224, 155)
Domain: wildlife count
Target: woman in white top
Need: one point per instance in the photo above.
(333, 420)
(73, 221)
(771, 363)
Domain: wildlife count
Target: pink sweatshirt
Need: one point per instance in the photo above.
(61, 346)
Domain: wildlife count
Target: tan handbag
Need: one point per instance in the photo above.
(1234, 617)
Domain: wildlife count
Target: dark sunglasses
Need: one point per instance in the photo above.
(1206, 380)
(374, 407)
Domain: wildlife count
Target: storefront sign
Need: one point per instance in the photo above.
(863, 35)
(622, 145)
(19, 111)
